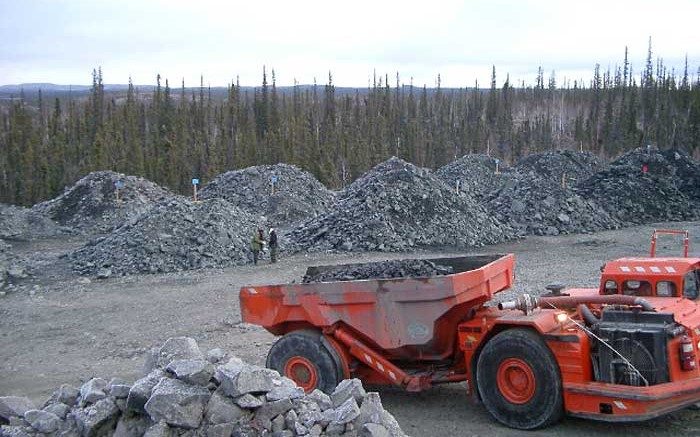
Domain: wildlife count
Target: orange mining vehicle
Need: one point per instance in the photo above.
(627, 351)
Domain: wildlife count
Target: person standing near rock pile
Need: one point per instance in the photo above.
(274, 246)
(257, 244)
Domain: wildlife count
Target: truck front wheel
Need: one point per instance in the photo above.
(519, 380)
(302, 357)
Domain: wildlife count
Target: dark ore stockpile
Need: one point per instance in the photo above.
(175, 235)
(91, 204)
(297, 195)
(398, 206)
(647, 185)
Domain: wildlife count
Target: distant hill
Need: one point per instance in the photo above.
(35, 87)
(53, 88)
(31, 90)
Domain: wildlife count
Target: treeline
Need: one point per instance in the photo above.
(172, 135)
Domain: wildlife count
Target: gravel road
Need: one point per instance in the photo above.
(59, 328)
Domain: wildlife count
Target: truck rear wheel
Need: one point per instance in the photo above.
(302, 357)
(519, 380)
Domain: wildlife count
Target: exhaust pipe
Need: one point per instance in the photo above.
(526, 303)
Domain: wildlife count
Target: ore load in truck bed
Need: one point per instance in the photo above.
(407, 268)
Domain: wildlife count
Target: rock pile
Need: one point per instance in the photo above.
(185, 393)
(18, 223)
(413, 268)
(91, 205)
(475, 175)
(398, 206)
(297, 195)
(566, 165)
(175, 235)
(684, 171)
(537, 206)
(530, 198)
(667, 191)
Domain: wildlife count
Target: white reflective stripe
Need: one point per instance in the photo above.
(625, 268)
(655, 269)
(688, 347)
(640, 269)
(379, 366)
(670, 269)
(368, 358)
(392, 375)
(620, 405)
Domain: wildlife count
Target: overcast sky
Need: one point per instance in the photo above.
(61, 41)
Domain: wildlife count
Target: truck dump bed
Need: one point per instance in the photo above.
(413, 319)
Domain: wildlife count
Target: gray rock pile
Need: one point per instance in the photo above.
(185, 394)
(91, 205)
(475, 175)
(297, 195)
(567, 165)
(668, 191)
(530, 197)
(409, 268)
(684, 171)
(398, 206)
(538, 206)
(18, 223)
(175, 235)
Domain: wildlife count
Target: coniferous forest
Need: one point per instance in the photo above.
(173, 134)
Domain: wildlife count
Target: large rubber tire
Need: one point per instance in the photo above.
(519, 380)
(302, 357)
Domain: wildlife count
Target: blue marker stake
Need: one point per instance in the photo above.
(195, 182)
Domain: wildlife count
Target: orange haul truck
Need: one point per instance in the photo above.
(627, 351)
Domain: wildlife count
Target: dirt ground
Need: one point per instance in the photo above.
(65, 329)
